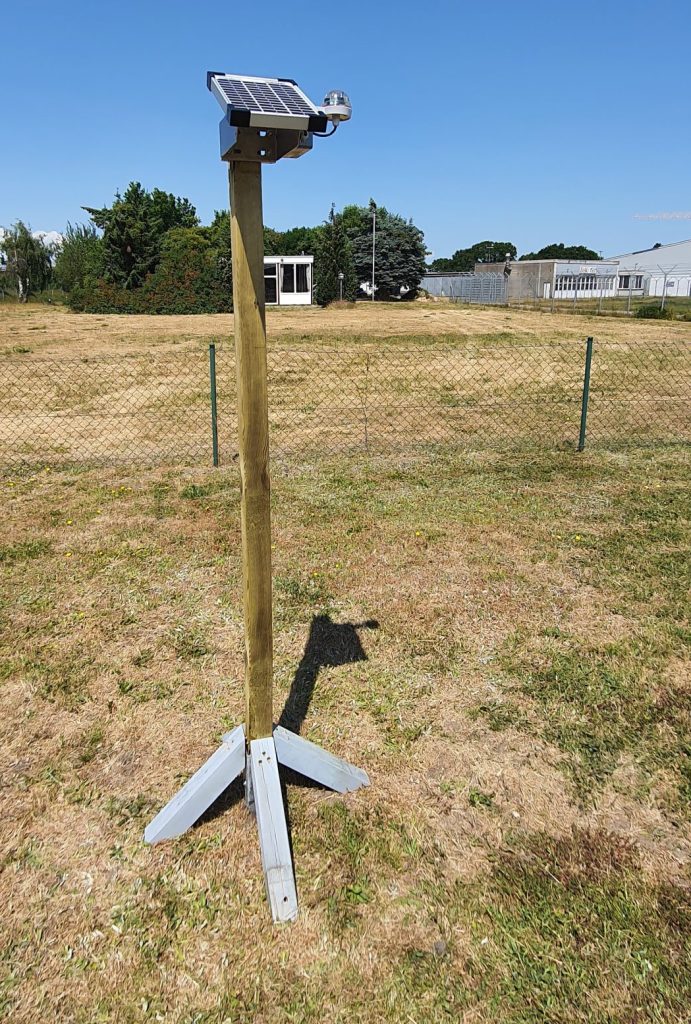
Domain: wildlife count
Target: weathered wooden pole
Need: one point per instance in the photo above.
(247, 241)
(263, 121)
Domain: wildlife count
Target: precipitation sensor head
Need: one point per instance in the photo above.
(337, 106)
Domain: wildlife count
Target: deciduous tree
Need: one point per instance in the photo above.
(481, 252)
(559, 251)
(80, 257)
(27, 259)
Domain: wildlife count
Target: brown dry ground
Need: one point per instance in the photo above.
(368, 377)
(55, 331)
(519, 694)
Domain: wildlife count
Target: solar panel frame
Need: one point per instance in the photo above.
(252, 102)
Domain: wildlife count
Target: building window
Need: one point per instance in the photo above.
(624, 280)
(270, 283)
(288, 278)
(302, 284)
(638, 281)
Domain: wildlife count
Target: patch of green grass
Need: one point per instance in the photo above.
(476, 798)
(298, 594)
(123, 810)
(91, 743)
(597, 703)
(194, 492)
(24, 550)
(162, 507)
(190, 642)
(143, 690)
(499, 715)
(62, 675)
(575, 930)
(562, 930)
(363, 845)
(394, 702)
(161, 911)
(233, 1009)
(643, 556)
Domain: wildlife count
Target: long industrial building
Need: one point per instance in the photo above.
(660, 270)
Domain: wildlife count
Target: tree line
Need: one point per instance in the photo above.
(501, 252)
(148, 253)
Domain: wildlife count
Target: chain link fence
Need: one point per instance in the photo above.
(147, 409)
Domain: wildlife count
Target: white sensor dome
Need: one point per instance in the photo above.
(337, 106)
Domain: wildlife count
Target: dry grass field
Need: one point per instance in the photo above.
(53, 330)
(366, 378)
(499, 637)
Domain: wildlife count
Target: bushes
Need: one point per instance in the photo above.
(653, 312)
(191, 277)
(104, 297)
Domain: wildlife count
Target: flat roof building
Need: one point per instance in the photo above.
(288, 280)
(559, 279)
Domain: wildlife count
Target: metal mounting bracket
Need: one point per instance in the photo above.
(263, 797)
(264, 146)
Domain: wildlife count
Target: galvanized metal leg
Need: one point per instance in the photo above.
(199, 792)
(263, 797)
(317, 764)
(274, 844)
(249, 789)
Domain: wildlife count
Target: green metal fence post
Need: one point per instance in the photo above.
(586, 393)
(214, 414)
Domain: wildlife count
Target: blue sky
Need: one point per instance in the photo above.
(528, 122)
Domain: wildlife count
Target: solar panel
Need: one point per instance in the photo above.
(265, 103)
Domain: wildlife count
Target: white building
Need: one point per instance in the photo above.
(558, 279)
(288, 280)
(661, 270)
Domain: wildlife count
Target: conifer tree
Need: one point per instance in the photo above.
(133, 230)
(333, 256)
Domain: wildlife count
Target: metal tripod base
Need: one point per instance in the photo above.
(263, 796)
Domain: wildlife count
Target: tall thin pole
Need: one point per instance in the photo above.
(374, 242)
(664, 284)
(247, 241)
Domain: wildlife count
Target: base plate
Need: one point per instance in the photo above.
(263, 796)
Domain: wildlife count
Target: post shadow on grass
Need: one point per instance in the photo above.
(329, 645)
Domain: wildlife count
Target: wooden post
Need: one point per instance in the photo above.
(247, 240)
